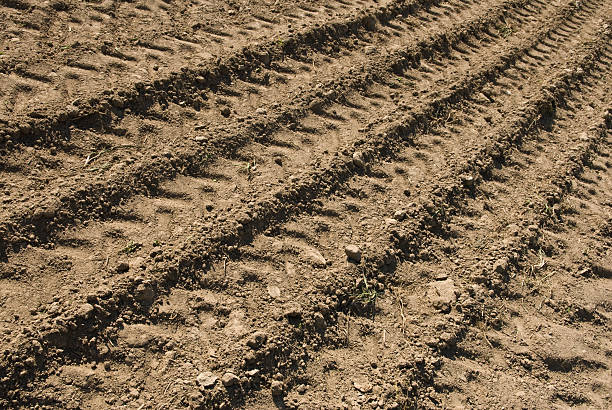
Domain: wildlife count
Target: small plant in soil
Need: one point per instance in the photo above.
(131, 248)
(505, 31)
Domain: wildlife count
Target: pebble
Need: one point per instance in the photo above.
(353, 253)
(206, 379)
(257, 340)
(274, 291)
(144, 294)
(358, 159)
(225, 112)
(277, 388)
(261, 111)
(363, 387)
(316, 259)
(229, 379)
(319, 321)
(399, 215)
(122, 267)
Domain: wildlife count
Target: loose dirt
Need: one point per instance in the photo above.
(307, 205)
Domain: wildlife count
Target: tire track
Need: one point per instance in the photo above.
(182, 87)
(260, 259)
(119, 43)
(567, 76)
(481, 258)
(149, 175)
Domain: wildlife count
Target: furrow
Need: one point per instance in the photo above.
(185, 86)
(191, 263)
(35, 225)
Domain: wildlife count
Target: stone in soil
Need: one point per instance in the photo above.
(122, 267)
(316, 259)
(257, 340)
(358, 159)
(206, 379)
(229, 379)
(353, 253)
(277, 388)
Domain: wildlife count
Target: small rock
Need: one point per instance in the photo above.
(138, 340)
(369, 50)
(137, 263)
(399, 215)
(122, 267)
(277, 388)
(301, 389)
(144, 294)
(252, 373)
(319, 321)
(316, 259)
(441, 276)
(261, 111)
(363, 387)
(206, 379)
(370, 23)
(200, 138)
(353, 253)
(229, 379)
(225, 112)
(84, 311)
(293, 311)
(273, 291)
(358, 159)
(134, 393)
(501, 266)
(468, 181)
(257, 340)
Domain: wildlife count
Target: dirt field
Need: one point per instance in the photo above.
(318, 204)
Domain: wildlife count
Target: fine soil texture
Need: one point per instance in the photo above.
(315, 204)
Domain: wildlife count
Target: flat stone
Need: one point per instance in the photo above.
(206, 379)
(273, 291)
(315, 258)
(363, 387)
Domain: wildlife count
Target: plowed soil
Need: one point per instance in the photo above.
(319, 204)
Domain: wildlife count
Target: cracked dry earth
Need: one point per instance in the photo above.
(319, 204)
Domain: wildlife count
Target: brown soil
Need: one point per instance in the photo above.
(314, 204)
